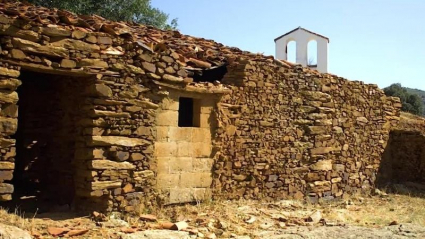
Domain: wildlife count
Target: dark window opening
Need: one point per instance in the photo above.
(213, 74)
(189, 112)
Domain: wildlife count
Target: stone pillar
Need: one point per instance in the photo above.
(8, 126)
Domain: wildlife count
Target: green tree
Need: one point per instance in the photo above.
(411, 103)
(139, 11)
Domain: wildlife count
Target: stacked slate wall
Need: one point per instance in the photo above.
(292, 132)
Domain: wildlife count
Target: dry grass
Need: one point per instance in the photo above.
(378, 211)
(234, 216)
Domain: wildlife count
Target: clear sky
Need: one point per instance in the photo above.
(375, 41)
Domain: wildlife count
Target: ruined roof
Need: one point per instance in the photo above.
(193, 51)
(300, 28)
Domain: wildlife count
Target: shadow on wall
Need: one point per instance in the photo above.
(402, 168)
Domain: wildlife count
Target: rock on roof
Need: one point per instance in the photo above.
(193, 51)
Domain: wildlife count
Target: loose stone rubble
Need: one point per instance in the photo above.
(265, 129)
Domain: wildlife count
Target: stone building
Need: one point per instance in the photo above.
(117, 116)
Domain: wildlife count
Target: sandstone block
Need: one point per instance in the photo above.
(107, 164)
(76, 45)
(7, 165)
(66, 63)
(321, 150)
(9, 72)
(6, 175)
(10, 97)
(9, 84)
(6, 188)
(115, 140)
(99, 90)
(55, 31)
(324, 165)
(100, 185)
(164, 181)
(195, 180)
(92, 63)
(49, 50)
(8, 126)
(18, 54)
(165, 149)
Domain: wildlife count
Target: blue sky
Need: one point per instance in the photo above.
(375, 41)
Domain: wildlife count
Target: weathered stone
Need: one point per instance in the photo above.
(8, 126)
(66, 63)
(13, 31)
(92, 63)
(99, 185)
(99, 90)
(121, 156)
(10, 110)
(171, 78)
(6, 188)
(78, 45)
(136, 157)
(115, 140)
(324, 165)
(7, 165)
(55, 31)
(78, 34)
(112, 114)
(149, 67)
(10, 84)
(107, 164)
(9, 72)
(6, 175)
(18, 54)
(10, 97)
(104, 40)
(49, 50)
(321, 150)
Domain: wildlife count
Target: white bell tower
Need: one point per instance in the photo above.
(302, 37)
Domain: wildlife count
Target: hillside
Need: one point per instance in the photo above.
(413, 100)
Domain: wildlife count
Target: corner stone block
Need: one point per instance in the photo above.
(195, 180)
(165, 181)
(165, 149)
(178, 165)
(180, 133)
(185, 195)
(184, 149)
(162, 133)
(201, 150)
(163, 164)
(167, 118)
(202, 164)
(201, 135)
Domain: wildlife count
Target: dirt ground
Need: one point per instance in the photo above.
(380, 216)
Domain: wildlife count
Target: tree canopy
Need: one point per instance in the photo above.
(411, 102)
(139, 11)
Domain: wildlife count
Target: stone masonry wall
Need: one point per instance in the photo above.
(8, 126)
(404, 157)
(114, 150)
(282, 131)
(292, 132)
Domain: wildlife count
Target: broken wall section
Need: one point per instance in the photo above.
(404, 158)
(292, 132)
(8, 126)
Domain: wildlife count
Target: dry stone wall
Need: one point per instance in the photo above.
(8, 126)
(404, 157)
(276, 130)
(292, 132)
